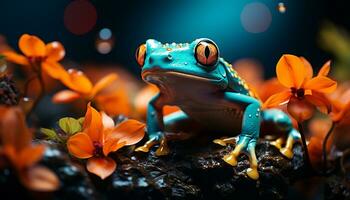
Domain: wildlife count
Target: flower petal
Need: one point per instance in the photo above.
(114, 103)
(65, 96)
(290, 71)
(102, 167)
(104, 82)
(13, 128)
(93, 124)
(142, 98)
(324, 71)
(30, 155)
(80, 145)
(321, 84)
(39, 178)
(54, 69)
(112, 145)
(77, 81)
(320, 101)
(343, 116)
(309, 72)
(55, 51)
(107, 121)
(300, 109)
(15, 58)
(32, 46)
(129, 131)
(277, 99)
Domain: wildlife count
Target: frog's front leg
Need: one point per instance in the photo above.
(249, 133)
(155, 127)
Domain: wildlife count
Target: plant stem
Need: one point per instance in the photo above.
(324, 148)
(42, 91)
(306, 151)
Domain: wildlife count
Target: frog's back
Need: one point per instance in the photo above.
(236, 83)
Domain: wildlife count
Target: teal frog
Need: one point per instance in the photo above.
(211, 96)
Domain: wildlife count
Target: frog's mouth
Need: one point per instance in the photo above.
(159, 76)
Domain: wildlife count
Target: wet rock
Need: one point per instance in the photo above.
(198, 172)
(337, 187)
(75, 182)
(193, 170)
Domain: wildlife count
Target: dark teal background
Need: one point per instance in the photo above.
(134, 21)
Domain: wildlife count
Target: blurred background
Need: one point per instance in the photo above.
(101, 36)
(109, 31)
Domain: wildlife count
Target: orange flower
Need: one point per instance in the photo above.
(100, 137)
(303, 92)
(82, 88)
(318, 130)
(38, 55)
(142, 99)
(17, 147)
(341, 104)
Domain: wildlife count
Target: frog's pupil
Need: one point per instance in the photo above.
(207, 51)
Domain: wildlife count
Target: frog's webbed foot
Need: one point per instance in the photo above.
(287, 150)
(160, 139)
(248, 145)
(225, 141)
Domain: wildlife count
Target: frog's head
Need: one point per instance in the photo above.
(183, 63)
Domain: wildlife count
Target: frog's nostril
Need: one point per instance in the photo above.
(150, 60)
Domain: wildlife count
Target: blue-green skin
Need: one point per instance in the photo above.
(215, 97)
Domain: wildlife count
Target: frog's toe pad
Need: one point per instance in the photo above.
(162, 151)
(276, 144)
(220, 142)
(287, 152)
(230, 159)
(142, 149)
(253, 173)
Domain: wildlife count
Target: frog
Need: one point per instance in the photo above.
(210, 95)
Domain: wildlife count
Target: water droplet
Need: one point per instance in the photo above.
(170, 57)
(281, 7)
(26, 99)
(258, 110)
(153, 114)
(185, 63)
(257, 114)
(250, 116)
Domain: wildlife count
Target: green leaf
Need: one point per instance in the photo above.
(81, 120)
(69, 125)
(51, 134)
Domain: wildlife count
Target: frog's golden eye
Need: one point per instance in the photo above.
(141, 54)
(206, 53)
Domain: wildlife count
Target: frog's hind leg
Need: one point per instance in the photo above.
(293, 136)
(282, 123)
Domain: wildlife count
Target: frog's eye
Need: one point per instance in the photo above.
(141, 54)
(206, 53)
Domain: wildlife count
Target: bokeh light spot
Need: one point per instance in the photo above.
(256, 17)
(80, 17)
(105, 33)
(281, 7)
(104, 47)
